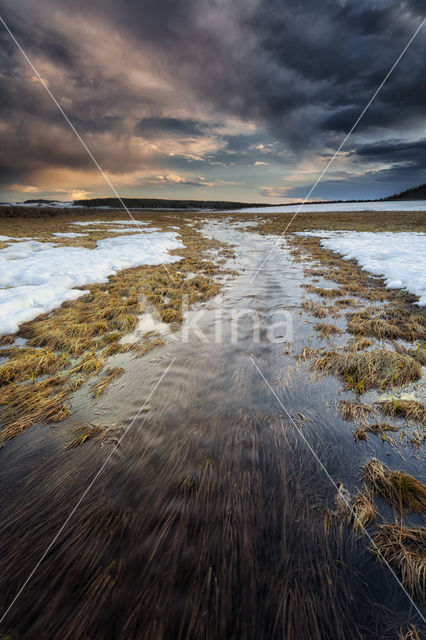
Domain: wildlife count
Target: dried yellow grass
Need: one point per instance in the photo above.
(369, 369)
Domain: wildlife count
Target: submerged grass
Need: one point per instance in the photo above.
(410, 634)
(110, 375)
(100, 433)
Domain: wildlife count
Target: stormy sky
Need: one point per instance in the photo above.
(211, 99)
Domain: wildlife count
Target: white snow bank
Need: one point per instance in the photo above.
(399, 257)
(12, 239)
(311, 207)
(86, 223)
(36, 277)
(69, 234)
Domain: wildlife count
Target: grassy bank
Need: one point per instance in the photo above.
(71, 345)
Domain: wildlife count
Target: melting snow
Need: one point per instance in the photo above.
(36, 277)
(69, 234)
(86, 223)
(399, 257)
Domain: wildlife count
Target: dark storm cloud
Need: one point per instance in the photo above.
(300, 71)
(149, 127)
(394, 151)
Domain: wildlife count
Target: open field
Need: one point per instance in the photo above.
(213, 517)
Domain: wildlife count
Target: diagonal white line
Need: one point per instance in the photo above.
(66, 118)
(337, 488)
(330, 162)
(83, 495)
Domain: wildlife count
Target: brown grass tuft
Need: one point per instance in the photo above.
(316, 309)
(358, 344)
(379, 429)
(355, 412)
(404, 549)
(362, 511)
(369, 369)
(409, 409)
(28, 364)
(322, 292)
(393, 324)
(326, 329)
(419, 353)
(398, 488)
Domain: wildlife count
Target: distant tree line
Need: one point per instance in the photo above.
(415, 193)
(157, 203)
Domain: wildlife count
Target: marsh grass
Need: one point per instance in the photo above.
(322, 292)
(419, 353)
(404, 549)
(358, 344)
(408, 409)
(378, 429)
(397, 323)
(355, 411)
(369, 369)
(362, 510)
(316, 309)
(24, 405)
(410, 634)
(326, 329)
(399, 489)
(214, 522)
(25, 364)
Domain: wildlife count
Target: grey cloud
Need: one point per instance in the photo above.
(150, 127)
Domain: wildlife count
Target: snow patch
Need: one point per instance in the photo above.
(399, 257)
(69, 234)
(87, 223)
(36, 277)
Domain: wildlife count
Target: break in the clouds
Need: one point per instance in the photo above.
(243, 100)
